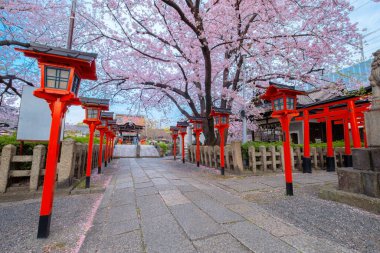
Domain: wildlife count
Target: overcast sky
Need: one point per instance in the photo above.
(366, 13)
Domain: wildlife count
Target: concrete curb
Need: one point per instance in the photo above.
(353, 199)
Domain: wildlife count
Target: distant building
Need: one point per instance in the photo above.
(130, 127)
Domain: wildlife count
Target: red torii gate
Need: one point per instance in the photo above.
(342, 110)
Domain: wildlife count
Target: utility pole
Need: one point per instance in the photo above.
(71, 26)
(243, 113)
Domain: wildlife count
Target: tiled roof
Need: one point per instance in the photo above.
(122, 119)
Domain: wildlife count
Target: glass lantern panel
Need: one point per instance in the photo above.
(92, 113)
(290, 103)
(199, 126)
(75, 86)
(57, 78)
(104, 123)
(279, 104)
(216, 119)
(224, 119)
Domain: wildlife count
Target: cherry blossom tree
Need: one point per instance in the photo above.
(192, 54)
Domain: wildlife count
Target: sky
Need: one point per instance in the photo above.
(366, 13)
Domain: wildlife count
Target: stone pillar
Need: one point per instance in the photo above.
(6, 158)
(237, 156)
(38, 163)
(66, 164)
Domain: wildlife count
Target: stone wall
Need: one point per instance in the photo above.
(72, 164)
(364, 176)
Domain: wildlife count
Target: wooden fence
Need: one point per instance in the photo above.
(262, 158)
(72, 164)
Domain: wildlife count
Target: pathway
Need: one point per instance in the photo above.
(158, 205)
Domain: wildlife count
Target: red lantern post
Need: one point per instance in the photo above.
(93, 107)
(111, 136)
(174, 131)
(284, 101)
(197, 129)
(221, 122)
(61, 73)
(104, 116)
(182, 126)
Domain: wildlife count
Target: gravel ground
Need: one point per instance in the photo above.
(346, 225)
(19, 222)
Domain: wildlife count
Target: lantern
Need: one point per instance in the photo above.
(221, 122)
(197, 128)
(284, 101)
(174, 131)
(103, 129)
(61, 71)
(182, 126)
(93, 107)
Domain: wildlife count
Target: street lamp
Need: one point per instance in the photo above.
(284, 101)
(174, 131)
(93, 109)
(221, 122)
(182, 126)
(197, 129)
(61, 73)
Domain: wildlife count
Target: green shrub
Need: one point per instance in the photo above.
(83, 139)
(27, 146)
(163, 146)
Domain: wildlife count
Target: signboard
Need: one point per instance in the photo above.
(34, 118)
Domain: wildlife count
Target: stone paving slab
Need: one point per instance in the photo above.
(223, 243)
(217, 211)
(146, 191)
(173, 197)
(151, 206)
(195, 223)
(257, 239)
(163, 234)
(306, 243)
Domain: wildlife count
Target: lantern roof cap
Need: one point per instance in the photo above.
(83, 62)
(173, 128)
(193, 119)
(111, 122)
(96, 102)
(218, 111)
(276, 89)
(182, 124)
(106, 115)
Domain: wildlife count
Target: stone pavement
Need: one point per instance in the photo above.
(125, 150)
(158, 205)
